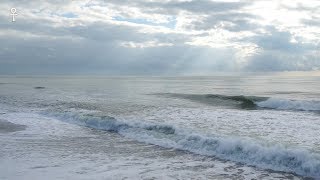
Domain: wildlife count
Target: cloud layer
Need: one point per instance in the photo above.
(153, 37)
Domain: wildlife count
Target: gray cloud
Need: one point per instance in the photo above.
(207, 36)
(204, 6)
(271, 61)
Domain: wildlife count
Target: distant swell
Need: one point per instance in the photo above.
(244, 151)
(249, 102)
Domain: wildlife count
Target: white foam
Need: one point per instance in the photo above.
(57, 150)
(284, 104)
(246, 151)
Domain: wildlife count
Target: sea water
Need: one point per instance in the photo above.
(248, 126)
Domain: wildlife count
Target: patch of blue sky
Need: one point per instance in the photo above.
(69, 15)
(171, 24)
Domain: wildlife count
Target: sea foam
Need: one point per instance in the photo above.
(247, 151)
(284, 104)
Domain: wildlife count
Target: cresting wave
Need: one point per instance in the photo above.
(284, 104)
(244, 151)
(249, 102)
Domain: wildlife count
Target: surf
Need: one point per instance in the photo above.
(237, 149)
(248, 102)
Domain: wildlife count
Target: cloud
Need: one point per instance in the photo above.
(173, 37)
(270, 61)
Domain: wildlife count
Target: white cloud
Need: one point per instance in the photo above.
(146, 44)
(172, 36)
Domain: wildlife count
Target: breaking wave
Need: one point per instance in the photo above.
(247, 151)
(249, 102)
(285, 104)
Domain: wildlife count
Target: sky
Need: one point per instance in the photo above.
(159, 37)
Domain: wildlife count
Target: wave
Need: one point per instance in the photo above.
(285, 104)
(249, 102)
(247, 151)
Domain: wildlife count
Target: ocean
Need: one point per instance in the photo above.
(225, 126)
